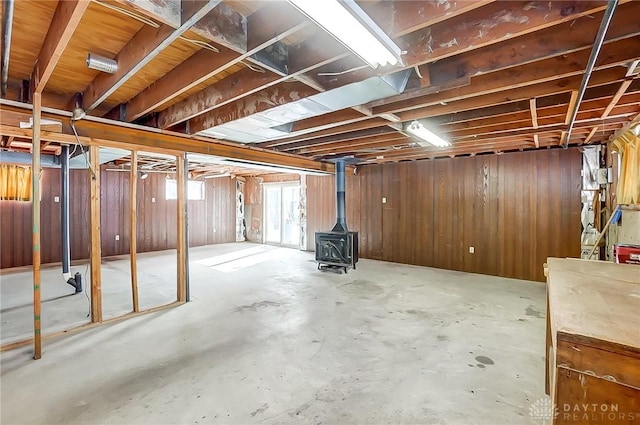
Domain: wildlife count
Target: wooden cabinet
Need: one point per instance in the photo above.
(593, 341)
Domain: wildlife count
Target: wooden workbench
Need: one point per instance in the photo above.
(593, 341)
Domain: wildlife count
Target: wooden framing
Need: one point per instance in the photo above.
(133, 228)
(94, 225)
(35, 202)
(67, 17)
(181, 223)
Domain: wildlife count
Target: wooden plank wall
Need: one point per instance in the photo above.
(515, 209)
(210, 221)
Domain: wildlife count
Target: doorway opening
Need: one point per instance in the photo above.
(282, 214)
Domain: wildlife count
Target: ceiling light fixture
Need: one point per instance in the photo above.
(100, 63)
(143, 176)
(352, 27)
(418, 130)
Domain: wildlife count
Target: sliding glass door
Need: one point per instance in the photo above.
(282, 214)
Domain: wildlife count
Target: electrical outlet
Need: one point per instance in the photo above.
(384, 200)
(472, 250)
(117, 237)
(153, 199)
(56, 199)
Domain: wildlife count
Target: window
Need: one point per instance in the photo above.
(195, 190)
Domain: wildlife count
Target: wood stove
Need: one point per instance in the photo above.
(337, 250)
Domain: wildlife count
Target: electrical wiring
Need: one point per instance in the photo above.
(128, 13)
(333, 74)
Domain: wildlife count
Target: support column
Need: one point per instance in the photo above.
(94, 225)
(35, 203)
(181, 205)
(133, 228)
(64, 207)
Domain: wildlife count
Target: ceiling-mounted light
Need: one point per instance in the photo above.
(351, 26)
(143, 176)
(215, 176)
(100, 63)
(417, 129)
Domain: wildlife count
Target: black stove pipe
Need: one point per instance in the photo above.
(64, 225)
(341, 208)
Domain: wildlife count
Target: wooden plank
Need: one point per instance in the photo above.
(35, 205)
(498, 21)
(65, 20)
(605, 312)
(230, 89)
(258, 102)
(143, 47)
(133, 228)
(261, 31)
(616, 98)
(166, 11)
(572, 105)
(587, 139)
(94, 226)
(584, 398)
(181, 174)
(105, 134)
(557, 40)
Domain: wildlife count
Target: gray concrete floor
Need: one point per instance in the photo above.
(280, 342)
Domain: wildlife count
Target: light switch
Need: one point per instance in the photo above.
(56, 199)
(153, 199)
(117, 237)
(384, 200)
(472, 250)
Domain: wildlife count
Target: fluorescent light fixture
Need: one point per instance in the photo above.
(215, 176)
(417, 129)
(351, 26)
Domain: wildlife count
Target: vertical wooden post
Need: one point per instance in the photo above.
(94, 224)
(35, 203)
(133, 230)
(182, 266)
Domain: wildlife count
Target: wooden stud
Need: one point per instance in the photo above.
(572, 105)
(94, 225)
(133, 232)
(181, 205)
(592, 133)
(616, 97)
(534, 112)
(536, 140)
(35, 204)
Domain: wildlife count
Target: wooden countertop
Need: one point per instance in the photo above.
(595, 299)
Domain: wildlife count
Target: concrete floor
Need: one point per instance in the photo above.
(281, 342)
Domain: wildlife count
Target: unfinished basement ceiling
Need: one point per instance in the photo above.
(487, 76)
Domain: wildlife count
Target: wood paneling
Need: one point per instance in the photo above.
(515, 209)
(211, 220)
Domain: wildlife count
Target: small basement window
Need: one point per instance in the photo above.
(195, 190)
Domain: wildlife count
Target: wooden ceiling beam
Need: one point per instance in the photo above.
(65, 21)
(558, 40)
(587, 139)
(140, 50)
(262, 31)
(484, 26)
(546, 88)
(167, 11)
(361, 123)
(616, 97)
(404, 17)
(224, 26)
(246, 106)
(106, 134)
(230, 89)
(341, 138)
(613, 54)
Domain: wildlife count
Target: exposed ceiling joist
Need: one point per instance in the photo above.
(67, 17)
(142, 48)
